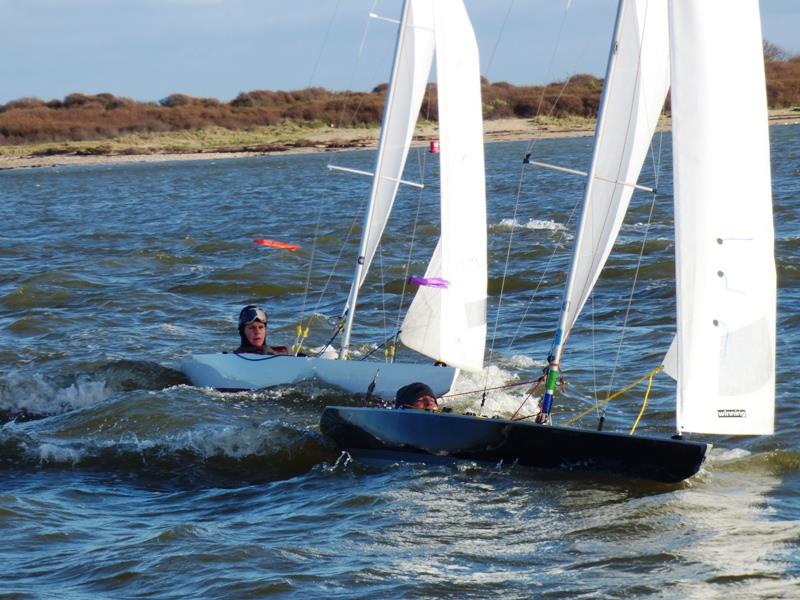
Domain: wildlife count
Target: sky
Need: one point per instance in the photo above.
(149, 49)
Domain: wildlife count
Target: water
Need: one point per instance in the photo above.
(120, 480)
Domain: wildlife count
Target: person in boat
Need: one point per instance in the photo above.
(253, 333)
(416, 395)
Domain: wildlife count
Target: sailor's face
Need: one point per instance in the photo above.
(425, 402)
(255, 333)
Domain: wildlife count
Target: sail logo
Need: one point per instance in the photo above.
(727, 413)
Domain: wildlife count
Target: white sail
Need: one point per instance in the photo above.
(449, 323)
(636, 85)
(414, 56)
(409, 79)
(723, 218)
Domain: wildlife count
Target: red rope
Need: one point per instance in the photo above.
(530, 393)
(500, 387)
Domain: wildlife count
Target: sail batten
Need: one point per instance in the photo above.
(725, 268)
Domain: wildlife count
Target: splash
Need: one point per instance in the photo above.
(33, 395)
(532, 224)
(505, 393)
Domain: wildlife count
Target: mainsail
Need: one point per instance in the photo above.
(724, 234)
(636, 85)
(409, 79)
(449, 323)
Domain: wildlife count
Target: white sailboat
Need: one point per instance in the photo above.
(723, 356)
(446, 323)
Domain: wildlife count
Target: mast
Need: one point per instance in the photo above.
(559, 340)
(350, 307)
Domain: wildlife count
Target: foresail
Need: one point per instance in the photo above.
(723, 218)
(636, 85)
(412, 67)
(449, 323)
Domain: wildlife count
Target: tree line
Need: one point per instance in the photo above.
(104, 116)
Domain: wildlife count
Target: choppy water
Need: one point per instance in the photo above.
(119, 480)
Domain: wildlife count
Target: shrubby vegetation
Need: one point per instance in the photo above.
(104, 116)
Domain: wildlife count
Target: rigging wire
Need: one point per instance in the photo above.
(324, 42)
(300, 329)
(635, 275)
(422, 164)
(520, 182)
(361, 208)
(529, 150)
(656, 163)
(497, 41)
(378, 65)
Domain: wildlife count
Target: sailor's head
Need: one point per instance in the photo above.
(415, 395)
(253, 325)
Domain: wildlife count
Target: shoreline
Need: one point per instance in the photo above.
(345, 139)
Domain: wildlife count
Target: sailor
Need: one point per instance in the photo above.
(416, 395)
(253, 333)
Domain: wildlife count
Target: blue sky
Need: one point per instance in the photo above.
(148, 49)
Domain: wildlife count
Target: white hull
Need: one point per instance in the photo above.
(251, 371)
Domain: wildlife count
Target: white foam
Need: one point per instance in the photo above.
(57, 454)
(37, 395)
(505, 394)
(729, 454)
(173, 330)
(532, 224)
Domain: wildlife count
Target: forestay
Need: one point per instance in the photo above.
(723, 216)
(449, 323)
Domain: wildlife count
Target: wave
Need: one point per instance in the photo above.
(203, 455)
(180, 434)
(25, 396)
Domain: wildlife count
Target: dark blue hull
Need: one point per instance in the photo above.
(414, 435)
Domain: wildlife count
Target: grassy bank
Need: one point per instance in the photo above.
(273, 138)
(219, 142)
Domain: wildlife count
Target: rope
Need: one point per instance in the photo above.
(499, 387)
(646, 396)
(528, 396)
(651, 374)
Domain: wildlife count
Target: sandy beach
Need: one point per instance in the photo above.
(326, 140)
